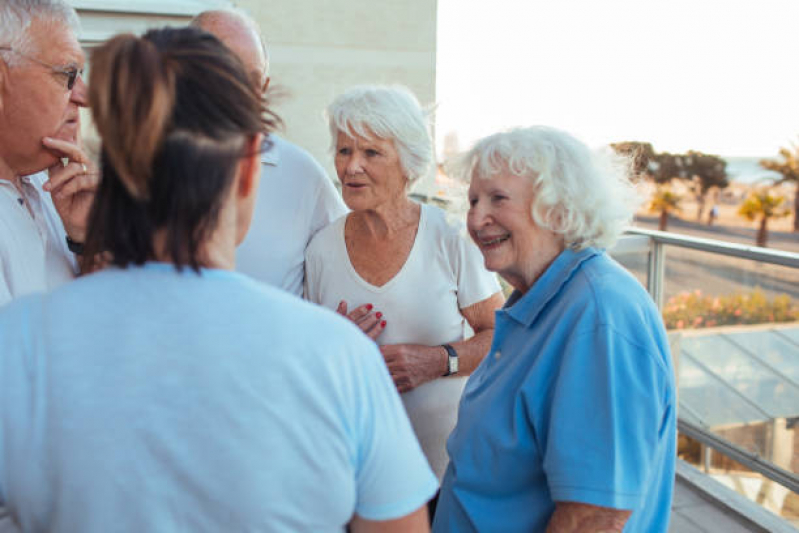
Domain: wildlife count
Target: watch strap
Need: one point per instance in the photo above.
(74, 246)
(452, 360)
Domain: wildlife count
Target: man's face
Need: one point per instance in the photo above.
(35, 102)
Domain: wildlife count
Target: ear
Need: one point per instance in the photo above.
(3, 82)
(250, 167)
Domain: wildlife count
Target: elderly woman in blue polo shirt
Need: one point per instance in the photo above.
(569, 422)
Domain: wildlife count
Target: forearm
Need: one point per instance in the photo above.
(471, 351)
(571, 517)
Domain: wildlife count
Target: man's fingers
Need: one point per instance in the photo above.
(66, 149)
(59, 175)
(78, 184)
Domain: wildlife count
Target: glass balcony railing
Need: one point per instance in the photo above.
(732, 313)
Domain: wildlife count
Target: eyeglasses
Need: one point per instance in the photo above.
(70, 72)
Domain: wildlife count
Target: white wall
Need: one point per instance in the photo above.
(318, 48)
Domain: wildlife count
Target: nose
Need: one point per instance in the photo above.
(478, 216)
(79, 93)
(354, 163)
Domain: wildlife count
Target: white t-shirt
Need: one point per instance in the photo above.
(151, 400)
(443, 273)
(33, 251)
(295, 200)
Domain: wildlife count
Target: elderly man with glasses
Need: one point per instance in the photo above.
(46, 181)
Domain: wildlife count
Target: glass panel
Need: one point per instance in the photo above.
(770, 346)
(769, 391)
(711, 402)
(759, 489)
(792, 334)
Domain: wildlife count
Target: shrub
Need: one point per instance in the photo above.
(692, 310)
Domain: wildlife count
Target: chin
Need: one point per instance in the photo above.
(355, 204)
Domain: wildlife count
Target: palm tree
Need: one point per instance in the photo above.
(664, 201)
(763, 204)
(788, 168)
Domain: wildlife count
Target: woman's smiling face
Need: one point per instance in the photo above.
(501, 223)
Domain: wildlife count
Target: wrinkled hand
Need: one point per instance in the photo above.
(72, 186)
(371, 323)
(411, 365)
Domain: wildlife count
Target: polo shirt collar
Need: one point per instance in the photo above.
(524, 308)
(270, 155)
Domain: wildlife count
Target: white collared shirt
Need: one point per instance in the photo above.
(33, 252)
(295, 200)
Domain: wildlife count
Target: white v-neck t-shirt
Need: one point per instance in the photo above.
(443, 273)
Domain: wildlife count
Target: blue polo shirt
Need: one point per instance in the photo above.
(575, 402)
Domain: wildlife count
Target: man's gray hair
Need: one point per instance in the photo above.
(389, 112)
(16, 17)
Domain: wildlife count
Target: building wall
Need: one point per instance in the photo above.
(317, 49)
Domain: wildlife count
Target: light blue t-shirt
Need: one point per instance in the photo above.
(150, 400)
(574, 402)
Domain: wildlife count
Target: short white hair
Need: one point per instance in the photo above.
(389, 112)
(585, 196)
(16, 17)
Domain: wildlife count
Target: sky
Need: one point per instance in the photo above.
(720, 77)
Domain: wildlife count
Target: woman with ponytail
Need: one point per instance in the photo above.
(167, 392)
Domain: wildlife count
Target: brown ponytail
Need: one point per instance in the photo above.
(174, 109)
(131, 95)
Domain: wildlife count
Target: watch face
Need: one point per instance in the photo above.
(453, 365)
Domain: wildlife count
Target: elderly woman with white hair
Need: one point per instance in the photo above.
(411, 281)
(569, 422)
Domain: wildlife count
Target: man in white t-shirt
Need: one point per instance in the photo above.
(296, 199)
(41, 91)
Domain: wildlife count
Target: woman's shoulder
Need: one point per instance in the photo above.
(613, 294)
(441, 225)
(327, 237)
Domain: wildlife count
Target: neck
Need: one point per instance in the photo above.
(546, 253)
(218, 251)
(7, 173)
(388, 219)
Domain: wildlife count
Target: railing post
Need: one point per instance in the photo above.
(656, 274)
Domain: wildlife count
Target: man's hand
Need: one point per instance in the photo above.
(72, 186)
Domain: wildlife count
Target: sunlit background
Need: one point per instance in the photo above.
(718, 77)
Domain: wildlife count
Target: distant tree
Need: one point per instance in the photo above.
(788, 168)
(706, 172)
(666, 167)
(641, 154)
(762, 204)
(664, 201)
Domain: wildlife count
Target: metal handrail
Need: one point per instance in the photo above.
(755, 253)
(657, 242)
(749, 459)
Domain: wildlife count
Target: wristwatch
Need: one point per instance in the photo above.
(74, 246)
(452, 360)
